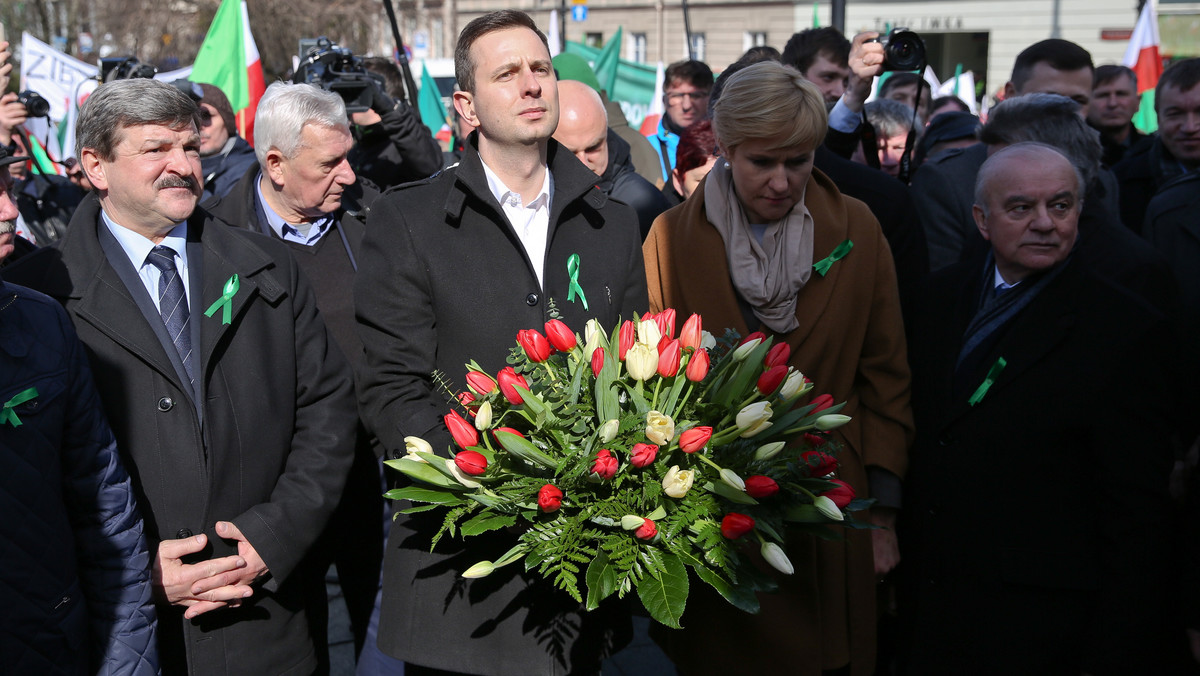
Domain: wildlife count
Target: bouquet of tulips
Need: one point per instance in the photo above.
(628, 458)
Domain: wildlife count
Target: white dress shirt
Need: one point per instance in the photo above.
(531, 221)
(138, 249)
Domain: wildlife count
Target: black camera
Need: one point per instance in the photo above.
(124, 68)
(35, 105)
(336, 69)
(903, 50)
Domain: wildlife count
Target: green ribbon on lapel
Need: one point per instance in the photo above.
(225, 302)
(986, 385)
(8, 415)
(822, 266)
(574, 287)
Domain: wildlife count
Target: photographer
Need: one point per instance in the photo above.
(45, 201)
(392, 146)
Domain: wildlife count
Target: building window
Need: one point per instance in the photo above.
(751, 39)
(637, 48)
(593, 40)
(699, 47)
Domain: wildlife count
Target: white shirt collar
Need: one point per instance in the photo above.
(509, 198)
(998, 281)
(137, 247)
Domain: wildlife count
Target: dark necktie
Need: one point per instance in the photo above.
(172, 305)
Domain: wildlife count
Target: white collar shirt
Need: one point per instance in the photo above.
(137, 248)
(530, 221)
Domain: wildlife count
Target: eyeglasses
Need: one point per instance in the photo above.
(677, 97)
(205, 115)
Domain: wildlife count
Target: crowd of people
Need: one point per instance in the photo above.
(207, 347)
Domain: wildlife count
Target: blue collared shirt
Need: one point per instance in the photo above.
(286, 231)
(138, 247)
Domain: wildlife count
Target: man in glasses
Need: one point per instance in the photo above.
(686, 87)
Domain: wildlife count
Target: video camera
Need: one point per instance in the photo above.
(903, 50)
(124, 68)
(336, 69)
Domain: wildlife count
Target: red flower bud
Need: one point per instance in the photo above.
(647, 530)
(597, 361)
(508, 380)
(663, 342)
(626, 338)
(668, 359)
(666, 322)
(757, 334)
(778, 355)
(471, 462)
(605, 465)
(480, 383)
(506, 429)
(535, 345)
(819, 464)
(550, 498)
(690, 336)
(759, 486)
(841, 494)
(466, 399)
(735, 525)
(697, 366)
(815, 440)
(694, 439)
(643, 454)
(771, 379)
(821, 403)
(464, 433)
(561, 337)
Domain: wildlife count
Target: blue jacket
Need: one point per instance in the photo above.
(668, 140)
(74, 566)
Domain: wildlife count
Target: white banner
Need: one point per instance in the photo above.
(54, 75)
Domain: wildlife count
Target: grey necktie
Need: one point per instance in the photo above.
(172, 305)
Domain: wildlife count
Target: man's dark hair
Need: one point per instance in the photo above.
(904, 80)
(1106, 74)
(393, 80)
(464, 65)
(752, 56)
(951, 100)
(1058, 54)
(1182, 75)
(695, 73)
(1050, 119)
(803, 48)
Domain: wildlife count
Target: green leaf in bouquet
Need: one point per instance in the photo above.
(763, 524)
(741, 597)
(859, 504)
(601, 580)
(672, 396)
(744, 377)
(706, 533)
(729, 493)
(482, 523)
(433, 472)
(577, 381)
(535, 405)
(489, 501)
(809, 419)
(804, 513)
(664, 591)
(416, 509)
(524, 449)
(422, 494)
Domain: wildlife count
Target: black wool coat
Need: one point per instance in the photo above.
(443, 279)
(268, 449)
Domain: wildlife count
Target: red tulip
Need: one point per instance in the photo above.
(778, 355)
(821, 403)
(759, 486)
(841, 494)
(757, 334)
(471, 462)
(666, 322)
(771, 379)
(643, 454)
(819, 464)
(626, 338)
(735, 525)
(535, 345)
(509, 380)
(561, 337)
(480, 383)
(597, 361)
(697, 366)
(550, 498)
(605, 465)
(690, 335)
(464, 433)
(815, 440)
(668, 359)
(507, 429)
(647, 530)
(694, 439)
(466, 399)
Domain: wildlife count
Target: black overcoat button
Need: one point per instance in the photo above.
(166, 404)
(531, 299)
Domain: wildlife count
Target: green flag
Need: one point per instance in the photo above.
(429, 102)
(608, 61)
(220, 60)
(816, 21)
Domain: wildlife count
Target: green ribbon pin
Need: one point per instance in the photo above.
(225, 302)
(574, 287)
(986, 385)
(8, 415)
(822, 266)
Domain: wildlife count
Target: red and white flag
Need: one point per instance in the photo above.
(1143, 57)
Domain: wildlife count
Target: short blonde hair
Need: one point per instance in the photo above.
(769, 100)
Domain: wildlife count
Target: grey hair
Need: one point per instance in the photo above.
(989, 168)
(892, 118)
(119, 104)
(284, 110)
(1050, 119)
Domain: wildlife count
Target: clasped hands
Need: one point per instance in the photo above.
(206, 585)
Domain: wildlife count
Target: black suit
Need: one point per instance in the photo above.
(444, 279)
(269, 448)
(1035, 526)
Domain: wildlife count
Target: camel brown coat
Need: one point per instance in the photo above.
(850, 342)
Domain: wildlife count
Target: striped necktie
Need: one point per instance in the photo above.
(172, 305)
